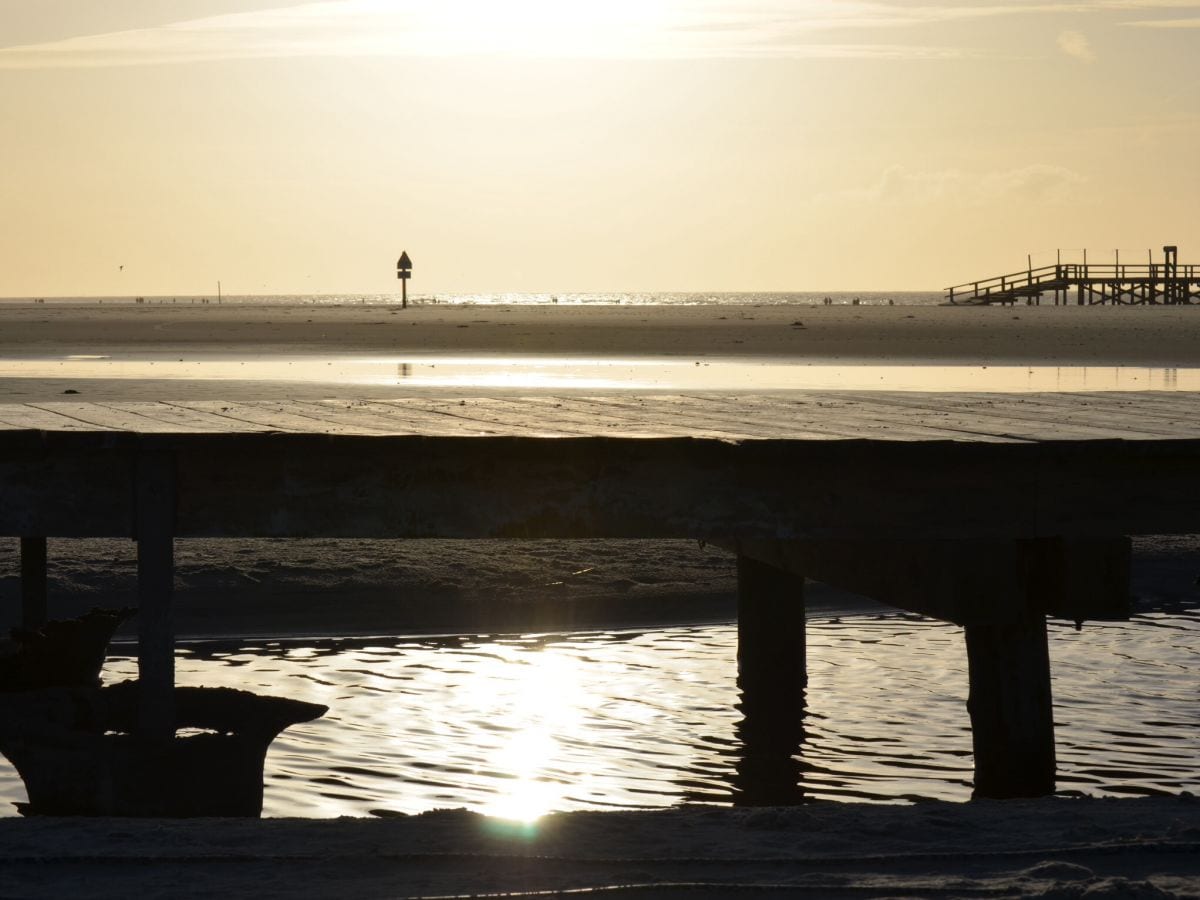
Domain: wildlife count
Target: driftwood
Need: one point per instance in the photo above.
(65, 653)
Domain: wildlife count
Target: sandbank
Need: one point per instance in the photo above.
(1045, 335)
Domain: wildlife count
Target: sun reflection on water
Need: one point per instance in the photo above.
(541, 701)
(604, 373)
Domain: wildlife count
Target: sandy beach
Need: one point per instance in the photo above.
(1045, 335)
(1055, 847)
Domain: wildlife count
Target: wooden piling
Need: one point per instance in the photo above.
(33, 582)
(1012, 719)
(772, 672)
(154, 524)
(772, 677)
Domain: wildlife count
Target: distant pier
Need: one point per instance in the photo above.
(1166, 283)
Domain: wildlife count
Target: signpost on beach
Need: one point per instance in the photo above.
(404, 272)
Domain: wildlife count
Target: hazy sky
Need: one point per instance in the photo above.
(563, 145)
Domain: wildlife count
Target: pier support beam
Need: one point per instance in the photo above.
(772, 671)
(772, 676)
(1012, 720)
(155, 535)
(33, 582)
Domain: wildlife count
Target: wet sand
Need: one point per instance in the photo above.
(1054, 848)
(1046, 335)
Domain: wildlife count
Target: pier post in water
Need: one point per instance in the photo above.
(772, 676)
(155, 535)
(772, 671)
(1012, 719)
(33, 582)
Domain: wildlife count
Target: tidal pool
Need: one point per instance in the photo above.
(519, 726)
(564, 373)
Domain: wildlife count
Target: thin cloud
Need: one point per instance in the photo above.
(1037, 183)
(668, 29)
(1076, 46)
(1164, 23)
(612, 29)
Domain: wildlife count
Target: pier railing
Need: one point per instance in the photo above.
(1062, 276)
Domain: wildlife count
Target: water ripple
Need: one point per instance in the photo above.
(523, 725)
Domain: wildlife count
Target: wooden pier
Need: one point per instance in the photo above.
(990, 511)
(1167, 283)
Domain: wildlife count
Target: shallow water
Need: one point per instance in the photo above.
(565, 373)
(519, 726)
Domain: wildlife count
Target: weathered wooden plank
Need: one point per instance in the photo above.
(670, 416)
(519, 418)
(449, 418)
(1125, 422)
(659, 420)
(1117, 414)
(837, 417)
(356, 413)
(982, 420)
(799, 415)
(276, 415)
(171, 417)
(24, 416)
(100, 417)
(1017, 417)
(559, 415)
(1175, 408)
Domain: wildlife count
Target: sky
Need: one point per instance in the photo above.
(154, 147)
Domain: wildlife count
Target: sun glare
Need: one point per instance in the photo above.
(541, 702)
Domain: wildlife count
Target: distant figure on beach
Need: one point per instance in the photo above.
(829, 301)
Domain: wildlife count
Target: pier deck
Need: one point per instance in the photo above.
(1090, 285)
(987, 510)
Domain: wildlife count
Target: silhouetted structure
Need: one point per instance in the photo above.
(81, 749)
(404, 272)
(990, 514)
(79, 753)
(1093, 284)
